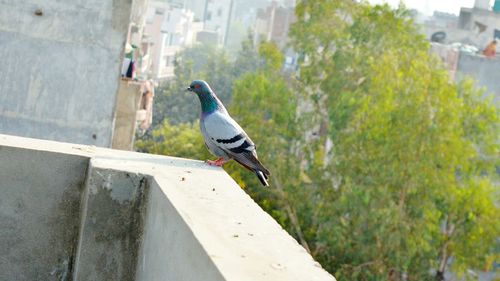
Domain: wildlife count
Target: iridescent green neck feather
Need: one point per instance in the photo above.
(209, 102)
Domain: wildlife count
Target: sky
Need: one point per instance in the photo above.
(429, 6)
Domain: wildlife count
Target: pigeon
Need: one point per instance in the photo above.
(223, 137)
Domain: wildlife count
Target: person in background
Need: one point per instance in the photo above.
(128, 66)
(491, 49)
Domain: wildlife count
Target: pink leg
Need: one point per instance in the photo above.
(217, 162)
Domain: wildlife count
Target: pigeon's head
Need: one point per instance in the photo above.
(208, 99)
(199, 87)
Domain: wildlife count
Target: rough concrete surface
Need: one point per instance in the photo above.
(141, 217)
(60, 69)
(127, 104)
(39, 213)
(112, 212)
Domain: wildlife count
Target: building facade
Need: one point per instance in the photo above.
(169, 29)
(476, 26)
(273, 23)
(218, 16)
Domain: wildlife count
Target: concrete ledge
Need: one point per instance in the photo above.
(140, 217)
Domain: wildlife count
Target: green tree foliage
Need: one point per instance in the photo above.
(407, 148)
(265, 105)
(202, 62)
(182, 140)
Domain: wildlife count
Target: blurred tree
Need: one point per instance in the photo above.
(399, 160)
(266, 106)
(204, 62)
(171, 99)
(201, 62)
(247, 59)
(182, 140)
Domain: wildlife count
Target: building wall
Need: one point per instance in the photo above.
(473, 19)
(466, 28)
(217, 15)
(154, 22)
(461, 64)
(60, 68)
(170, 29)
(198, 8)
(273, 24)
(483, 70)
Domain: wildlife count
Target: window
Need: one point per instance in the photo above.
(165, 39)
(170, 39)
(169, 61)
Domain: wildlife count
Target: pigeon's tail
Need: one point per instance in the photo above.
(249, 160)
(262, 177)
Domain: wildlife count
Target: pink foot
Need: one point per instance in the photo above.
(217, 162)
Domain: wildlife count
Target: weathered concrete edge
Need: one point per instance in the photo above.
(110, 195)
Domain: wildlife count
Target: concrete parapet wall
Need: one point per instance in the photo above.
(74, 212)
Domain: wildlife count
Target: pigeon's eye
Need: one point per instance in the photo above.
(197, 86)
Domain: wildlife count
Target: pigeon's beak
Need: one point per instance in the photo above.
(189, 89)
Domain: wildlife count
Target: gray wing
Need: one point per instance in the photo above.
(222, 130)
(227, 135)
(210, 144)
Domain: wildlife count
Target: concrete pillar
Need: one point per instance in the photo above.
(127, 104)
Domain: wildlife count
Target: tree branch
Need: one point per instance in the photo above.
(292, 216)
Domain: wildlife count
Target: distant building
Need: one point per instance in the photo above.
(169, 29)
(441, 20)
(218, 16)
(483, 70)
(462, 40)
(461, 64)
(196, 6)
(225, 23)
(273, 24)
(475, 26)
